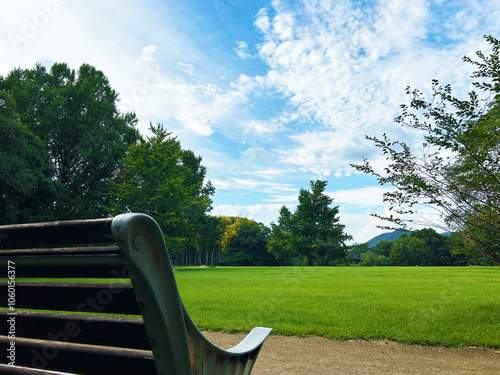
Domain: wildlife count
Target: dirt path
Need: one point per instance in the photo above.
(316, 355)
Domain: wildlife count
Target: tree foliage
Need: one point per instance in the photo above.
(245, 243)
(463, 254)
(281, 241)
(66, 152)
(457, 171)
(231, 229)
(437, 245)
(312, 232)
(384, 248)
(424, 247)
(409, 251)
(373, 259)
(161, 179)
(27, 191)
(75, 115)
(354, 251)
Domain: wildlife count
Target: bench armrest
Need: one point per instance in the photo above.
(177, 344)
(253, 340)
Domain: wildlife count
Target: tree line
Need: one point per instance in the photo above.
(67, 152)
(423, 247)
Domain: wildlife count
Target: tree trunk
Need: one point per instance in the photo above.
(310, 260)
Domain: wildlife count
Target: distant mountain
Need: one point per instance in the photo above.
(392, 236)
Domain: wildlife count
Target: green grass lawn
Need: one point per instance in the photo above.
(451, 306)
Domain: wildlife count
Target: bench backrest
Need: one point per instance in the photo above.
(82, 315)
(99, 297)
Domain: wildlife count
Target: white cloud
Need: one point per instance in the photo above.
(252, 185)
(135, 59)
(363, 227)
(266, 128)
(344, 69)
(270, 173)
(355, 209)
(283, 198)
(189, 69)
(369, 196)
(263, 213)
(259, 128)
(262, 21)
(396, 26)
(242, 50)
(157, 95)
(283, 26)
(324, 151)
(256, 156)
(150, 53)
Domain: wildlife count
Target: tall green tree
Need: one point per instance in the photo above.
(313, 231)
(281, 242)
(74, 113)
(162, 180)
(27, 191)
(457, 170)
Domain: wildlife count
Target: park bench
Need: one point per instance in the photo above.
(99, 297)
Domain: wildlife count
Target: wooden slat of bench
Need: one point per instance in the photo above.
(85, 329)
(61, 260)
(20, 370)
(80, 358)
(88, 250)
(60, 266)
(116, 298)
(61, 271)
(56, 233)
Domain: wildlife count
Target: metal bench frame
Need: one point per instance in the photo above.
(176, 345)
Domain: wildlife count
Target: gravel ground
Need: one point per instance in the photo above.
(315, 355)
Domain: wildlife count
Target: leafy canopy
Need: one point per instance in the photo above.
(244, 243)
(161, 179)
(74, 113)
(27, 190)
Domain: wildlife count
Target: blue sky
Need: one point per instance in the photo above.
(271, 94)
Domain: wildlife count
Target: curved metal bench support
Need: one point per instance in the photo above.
(177, 344)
